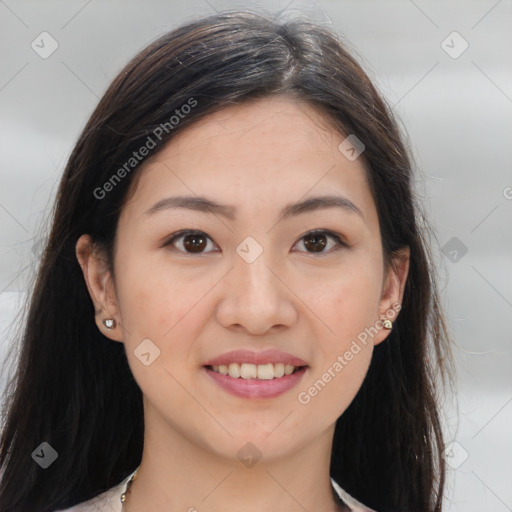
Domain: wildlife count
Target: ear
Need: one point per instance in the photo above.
(392, 291)
(100, 285)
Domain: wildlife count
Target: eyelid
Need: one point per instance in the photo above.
(341, 243)
(184, 232)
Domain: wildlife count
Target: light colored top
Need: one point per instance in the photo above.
(110, 500)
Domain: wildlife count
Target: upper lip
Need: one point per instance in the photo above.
(270, 356)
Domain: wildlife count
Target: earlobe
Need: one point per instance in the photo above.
(393, 292)
(98, 279)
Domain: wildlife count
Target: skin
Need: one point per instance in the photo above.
(258, 157)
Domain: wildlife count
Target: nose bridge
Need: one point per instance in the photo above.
(254, 296)
(252, 268)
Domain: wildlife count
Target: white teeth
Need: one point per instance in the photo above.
(278, 370)
(234, 370)
(265, 371)
(248, 371)
(288, 369)
(253, 371)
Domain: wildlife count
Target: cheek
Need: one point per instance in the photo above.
(157, 302)
(138, 298)
(335, 387)
(347, 303)
(150, 295)
(346, 298)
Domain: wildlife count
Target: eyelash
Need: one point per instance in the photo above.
(340, 243)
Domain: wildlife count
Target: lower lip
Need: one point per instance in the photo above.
(256, 388)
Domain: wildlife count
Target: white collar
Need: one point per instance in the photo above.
(112, 497)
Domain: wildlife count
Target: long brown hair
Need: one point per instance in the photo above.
(73, 387)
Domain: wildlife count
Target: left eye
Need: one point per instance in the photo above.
(317, 240)
(194, 242)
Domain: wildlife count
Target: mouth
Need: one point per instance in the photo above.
(249, 371)
(251, 381)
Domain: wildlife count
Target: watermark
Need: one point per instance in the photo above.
(146, 352)
(351, 147)
(304, 397)
(454, 45)
(145, 149)
(454, 249)
(249, 249)
(44, 45)
(249, 455)
(45, 455)
(455, 455)
(38, 247)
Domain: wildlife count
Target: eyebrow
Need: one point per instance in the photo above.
(203, 204)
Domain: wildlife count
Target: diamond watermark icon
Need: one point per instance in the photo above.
(454, 250)
(38, 247)
(454, 45)
(249, 249)
(351, 147)
(44, 45)
(455, 455)
(249, 455)
(146, 352)
(44, 455)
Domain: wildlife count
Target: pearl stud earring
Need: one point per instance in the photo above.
(109, 323)
(387, 324)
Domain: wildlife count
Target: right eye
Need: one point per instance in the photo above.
(189, 241)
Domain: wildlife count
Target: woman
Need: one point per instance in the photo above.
(236, 303)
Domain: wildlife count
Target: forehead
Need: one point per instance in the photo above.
(266, 152)
(282, 126)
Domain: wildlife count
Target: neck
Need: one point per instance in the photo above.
(178, 475)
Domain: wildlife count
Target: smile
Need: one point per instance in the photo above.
(256, 381)
(253, 371)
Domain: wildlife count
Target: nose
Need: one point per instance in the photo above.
(255, 296)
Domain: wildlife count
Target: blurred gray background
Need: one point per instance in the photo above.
(446, 68)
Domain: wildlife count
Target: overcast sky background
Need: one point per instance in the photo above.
(455, 104)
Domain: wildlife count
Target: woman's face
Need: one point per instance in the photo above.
(251, 279)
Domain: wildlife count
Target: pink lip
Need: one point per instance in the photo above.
(256, 388)
(265, 357)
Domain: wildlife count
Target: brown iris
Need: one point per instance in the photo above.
(197, 241)
(318, 242)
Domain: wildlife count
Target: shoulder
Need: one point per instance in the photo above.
(108, 501)
(355, 506)
(104, 502)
